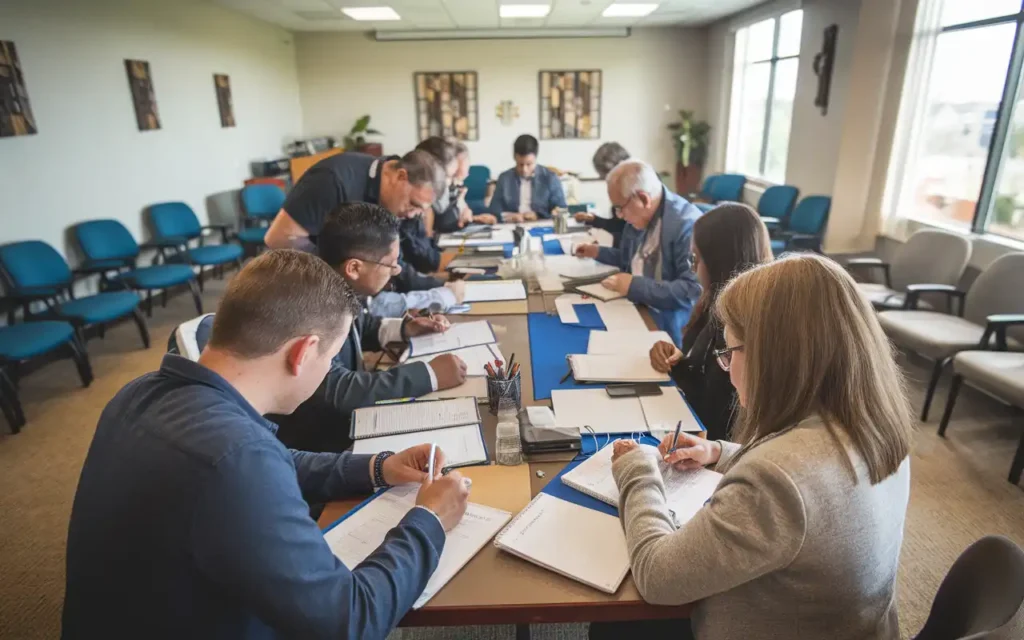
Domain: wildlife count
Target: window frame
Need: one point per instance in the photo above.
(740, 71)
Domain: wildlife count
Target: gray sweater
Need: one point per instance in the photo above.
(795, 542)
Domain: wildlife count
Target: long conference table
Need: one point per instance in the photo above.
(496, 587)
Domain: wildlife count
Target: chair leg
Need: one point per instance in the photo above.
(141, 322)
(199, 278)
(936, 374)
(954, 390)
(9, 403)
(163, 299)
(238, 261)
(81, 358)
(149, 303)
(195, 296)
(1018, 462)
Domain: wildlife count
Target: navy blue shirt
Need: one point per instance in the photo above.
(190, 522)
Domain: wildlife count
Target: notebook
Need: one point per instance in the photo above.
(598, 290)
(685, 491)
(357, 536)
(614, 368)
(579, 543)
(460, 335)
(626, 342)
(462, 446)
(409, 417)
(475, 262)
(594, 408)
(475, 387)
(495, 237)
(492, 291)
(474, 357)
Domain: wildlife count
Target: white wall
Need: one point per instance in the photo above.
(89, 160)
(647, 78)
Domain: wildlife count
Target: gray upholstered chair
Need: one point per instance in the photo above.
(930, 256)
(1000, 373)
(998, 291)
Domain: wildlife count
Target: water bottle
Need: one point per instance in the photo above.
(508, 446)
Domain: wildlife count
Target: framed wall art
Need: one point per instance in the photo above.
(570, 104)
(15, 111)
(143, 96)
(222, 83)
(446, 104)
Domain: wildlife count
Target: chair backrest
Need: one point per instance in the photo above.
(34, 267)
(709, 183)
(174, 219)
(981, 596)
(262, 200)
(999, 289)
(777, 201)
(728, 187)
(931, 256)
(476, 182)
(106, 240)
(190, 338)
(810, 216)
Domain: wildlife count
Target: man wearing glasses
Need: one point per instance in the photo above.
(654, 254)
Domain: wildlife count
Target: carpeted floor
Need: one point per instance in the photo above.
(959, 489)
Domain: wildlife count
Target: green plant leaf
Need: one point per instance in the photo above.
(361, 124)
(373, 132)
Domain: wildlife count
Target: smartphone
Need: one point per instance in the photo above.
(633, 390)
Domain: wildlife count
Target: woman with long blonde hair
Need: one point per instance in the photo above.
(802, 536)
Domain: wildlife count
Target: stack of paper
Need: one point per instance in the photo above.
(625, 342)
(459, 336)
(615, 368)
(494, 290)
(360, 534)
(594, 411)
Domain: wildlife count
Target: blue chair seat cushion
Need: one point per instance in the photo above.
(252, 235)
(159, 276)
(778, 246)
(31, 339)
(101, 307)
(215, 254)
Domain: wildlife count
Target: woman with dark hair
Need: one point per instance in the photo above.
(607, 156)
(727, 240)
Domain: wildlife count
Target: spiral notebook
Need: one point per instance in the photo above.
(409, 417)
(579, 543)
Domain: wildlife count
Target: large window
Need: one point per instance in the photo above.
(959, 156)
(763, 88)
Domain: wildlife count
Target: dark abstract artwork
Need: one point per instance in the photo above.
(15, 112)
(570, 104)
(446, 104)
(144, 98)
(227, 110)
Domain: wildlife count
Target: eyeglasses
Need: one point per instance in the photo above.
(724, 356)
(617, 209)
(694, 259)
(395, 268)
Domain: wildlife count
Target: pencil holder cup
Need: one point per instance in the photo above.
(510, 389)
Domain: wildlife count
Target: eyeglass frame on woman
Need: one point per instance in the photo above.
(724, 356)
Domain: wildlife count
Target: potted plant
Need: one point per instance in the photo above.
(690, 139)
(356, 138)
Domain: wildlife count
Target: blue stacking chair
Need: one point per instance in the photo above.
(260, 203)
(727, 187)
(111, 251)
(806, 226)
(176, 226)
(705, 188)
(34, 271)
(476, 188)
(21, 343)
(776, 203)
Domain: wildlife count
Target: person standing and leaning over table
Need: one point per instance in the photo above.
(727, 241)
(529, 191)
(802, 537)
(654, 255)
(458, 214)
(606, 158)
(418, 247)
(191, 520)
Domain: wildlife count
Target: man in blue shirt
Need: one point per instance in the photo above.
(528, 191)
(654, 254)
(191, 518)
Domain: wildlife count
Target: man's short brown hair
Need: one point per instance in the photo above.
(279, 296)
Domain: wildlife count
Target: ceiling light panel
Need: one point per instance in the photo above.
(524, 10)
(374, 14)
(629, 10)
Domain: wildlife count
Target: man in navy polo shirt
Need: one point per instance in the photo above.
(191, 518)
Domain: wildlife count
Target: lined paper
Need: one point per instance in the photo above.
(461, 445)
(391, 419)
(474, 357)
(458, 336)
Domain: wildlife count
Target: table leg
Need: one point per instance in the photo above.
(522, 632)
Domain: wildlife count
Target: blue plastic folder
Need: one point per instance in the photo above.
(551, 248)
(550, 342)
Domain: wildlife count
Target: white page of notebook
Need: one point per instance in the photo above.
(475, 386)
(570, 266)
(495, 290)
(461, 445)
(475, 358)
(497, 237)
(615, 368)
(577, 542)
(685, 491)
(626, 342)
(621, 315)
(359, 535)
(665, 411)
(564, 306)
(594, 408)
(598, 290)
(413, 416)
(460, 335)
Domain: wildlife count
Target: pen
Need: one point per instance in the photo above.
(510, 362)
(675, 438)
(430, 463)
(515, 371)
(490, 370)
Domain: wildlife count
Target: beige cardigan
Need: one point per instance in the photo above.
(795, 542)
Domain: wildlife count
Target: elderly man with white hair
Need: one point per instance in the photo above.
(655, 254)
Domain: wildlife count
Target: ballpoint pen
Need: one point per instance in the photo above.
(675, 438)
(430, 463)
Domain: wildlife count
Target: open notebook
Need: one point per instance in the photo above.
(459, 336)
(685, 491)
(358, 535)
(594, 411)
(599, 291)
(409, 417)
(614, 368)
(574, 541)
(462, 446)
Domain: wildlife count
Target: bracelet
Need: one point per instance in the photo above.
(378, 469)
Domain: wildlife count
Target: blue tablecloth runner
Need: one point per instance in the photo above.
(551, 341)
